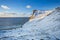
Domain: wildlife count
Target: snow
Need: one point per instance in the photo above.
(47, 28)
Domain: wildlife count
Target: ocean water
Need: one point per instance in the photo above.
(12, 22)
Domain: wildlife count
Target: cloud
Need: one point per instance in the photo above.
(28, 6)
(4, 7)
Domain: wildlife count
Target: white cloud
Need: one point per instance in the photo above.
(4, 7)
(28, 6)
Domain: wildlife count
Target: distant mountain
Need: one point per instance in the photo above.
(6, 14)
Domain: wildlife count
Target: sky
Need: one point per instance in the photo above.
(26, 6)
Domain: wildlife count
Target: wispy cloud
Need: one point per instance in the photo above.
(28, 6)
(4, 7)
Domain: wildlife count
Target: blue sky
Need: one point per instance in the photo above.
(25, 6)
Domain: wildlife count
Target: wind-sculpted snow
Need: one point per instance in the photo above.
(47, 28)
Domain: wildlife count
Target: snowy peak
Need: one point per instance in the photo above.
(37, 14)
(58, 8)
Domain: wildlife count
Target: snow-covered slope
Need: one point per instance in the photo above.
(50, 24)
(47, 28)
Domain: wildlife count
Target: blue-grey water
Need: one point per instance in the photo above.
(12, 22)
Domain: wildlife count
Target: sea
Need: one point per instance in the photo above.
(12, 22)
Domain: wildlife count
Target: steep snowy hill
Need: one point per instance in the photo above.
(46, 28)
(50, 24)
